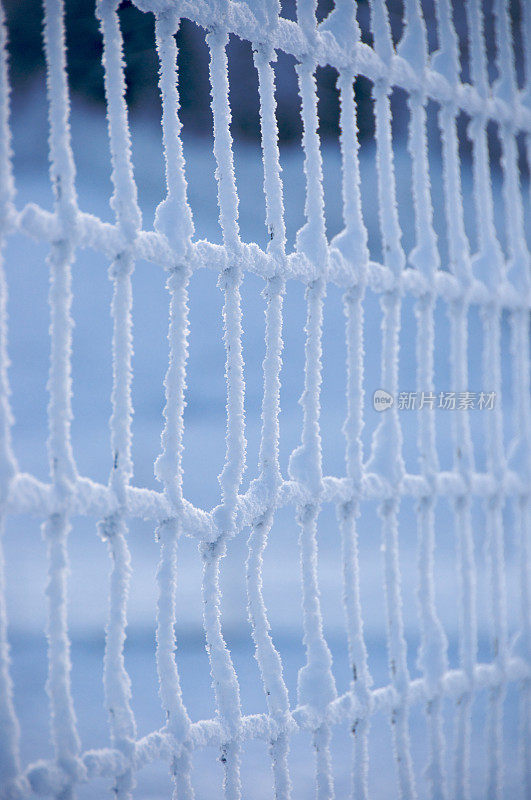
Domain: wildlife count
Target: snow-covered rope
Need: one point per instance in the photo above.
(174, 220)
(10, 767)
(113, 529)
(446, 60)
(267, 655)
(522, 384)
(425, 257)
(64, 732)
(387, 443)
(353, 239)
(490, 261)
(521, 456)
(316, 685)
(520, 273)
(224, 678)
(500, 281)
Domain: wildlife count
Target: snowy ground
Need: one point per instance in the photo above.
(204, 440)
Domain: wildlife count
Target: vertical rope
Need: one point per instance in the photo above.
(9, 741)
(520, 275)
(267, 656)
(432, 656)
(316, 685)
(114, 529)
(352, 242)
(520, 462)
(174, 220)
(63, 721)
(489, 263)
(224, 676)
(526, 90)
(387, 443)
(446, 61)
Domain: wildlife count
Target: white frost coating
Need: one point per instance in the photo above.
(488, 263)
(425, 255)
(306, 18)
(9, 741)
(387, 445)
(276, 226)
(353, 239)
(478, 56)
(305, 462)
(491, 258)
(383, 43)
(266, 654)
(521, 454)
(464, 464)
(315, 262)
(62, 175)
(7, 185)
(175, 220)
(229, 282)
(173, 217)
(63, 721)
(386, 455)
(458, 246)
(64, 733)
(115, 678)
(227, 194)
(125, 206)
(505, 86)
(225, 681)
(124, 201)
(388, 212)
(447, 61)
(177, 719)
(342, 22)
(114, 529)
(432, 658)
(387, 442)
(13, 785)
(519, 266)
(311, 238)
(361, 681)
(316, 685)
(526, 90)
(526, 37)
(413, 46)
(495, 546)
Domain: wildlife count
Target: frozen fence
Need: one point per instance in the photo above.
(496, 279)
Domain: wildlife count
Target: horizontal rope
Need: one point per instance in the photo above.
(153, 247)
(325, 49)
(28, 495)
(47, 777)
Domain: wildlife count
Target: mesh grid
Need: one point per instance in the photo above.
(486, 278)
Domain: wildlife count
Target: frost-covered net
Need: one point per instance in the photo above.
(494, 278)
